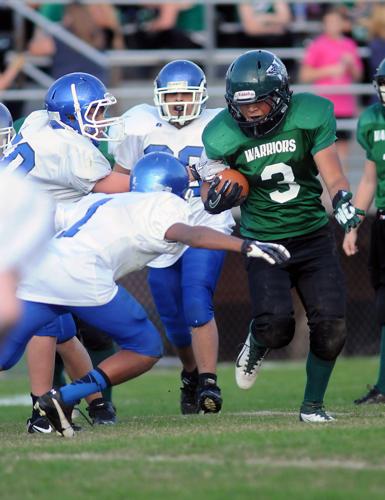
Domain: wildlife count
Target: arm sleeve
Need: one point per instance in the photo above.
(363, 134)
(85, 167)
(208, 169)
(128, 152)
(169, 210)
(325, 134)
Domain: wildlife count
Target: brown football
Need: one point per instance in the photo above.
(234, 176)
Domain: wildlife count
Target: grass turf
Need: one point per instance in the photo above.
(256, 448)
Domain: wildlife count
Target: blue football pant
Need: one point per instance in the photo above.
(183, 293)
(123, 318)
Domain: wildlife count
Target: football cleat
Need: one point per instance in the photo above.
(50, 405)
(102, 412)
(249, 362)
(374, 396)
(38, 424)
(209, 397)
(188, 394)
(314, 414)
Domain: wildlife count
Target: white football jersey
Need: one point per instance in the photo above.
(145, 132)
(64, 163)
(26, 223)
(105, 238)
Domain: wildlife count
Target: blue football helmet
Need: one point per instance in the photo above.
(79, 101)
(180, 77)
(159, 171)
(6, 127)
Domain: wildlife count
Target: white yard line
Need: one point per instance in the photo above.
(269, 462)
(16, 400)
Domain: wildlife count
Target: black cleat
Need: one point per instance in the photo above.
(50, 405)
(374, 396)
(188, 395)
(102, 412)
(209, 397)
(38, 425)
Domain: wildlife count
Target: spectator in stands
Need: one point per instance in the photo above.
(333, 59)
(97, 27)
(371, 136)
(11, 71)
(266, 23)
(168, 25)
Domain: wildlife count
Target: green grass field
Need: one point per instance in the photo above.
(256, 448)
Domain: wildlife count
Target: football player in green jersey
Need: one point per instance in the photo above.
(371, 136)
(281, 142)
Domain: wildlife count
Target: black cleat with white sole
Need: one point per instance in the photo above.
(38, 425)
(209, 397)
(51, 405)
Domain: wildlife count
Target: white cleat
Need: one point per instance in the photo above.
(249, 363)
(319, 416)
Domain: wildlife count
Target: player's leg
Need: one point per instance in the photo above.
(321, 287)
(34, 316)
(376, 393)
(201, 269)
(42, 346)
(77, 362)
(273, 325)
(166, 290)
(99, 346)
(126, 321)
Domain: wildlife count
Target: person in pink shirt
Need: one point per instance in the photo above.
(332, 59)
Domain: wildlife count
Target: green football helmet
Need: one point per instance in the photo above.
(379, 82)
(258, 75)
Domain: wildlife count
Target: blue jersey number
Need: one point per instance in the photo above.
(70, 232)
(25, 152)
(184, 157)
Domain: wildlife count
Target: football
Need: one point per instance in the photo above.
(234, 176)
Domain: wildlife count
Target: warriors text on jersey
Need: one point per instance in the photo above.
(371, 136)
(145, 132)
(63, 162)
(284, 198)
(104, 237)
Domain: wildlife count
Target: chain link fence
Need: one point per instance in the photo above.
(233, 310)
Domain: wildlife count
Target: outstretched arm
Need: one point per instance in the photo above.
(205, 237)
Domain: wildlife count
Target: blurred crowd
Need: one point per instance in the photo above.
(345, 26)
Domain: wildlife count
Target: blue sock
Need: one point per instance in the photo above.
(94, 381)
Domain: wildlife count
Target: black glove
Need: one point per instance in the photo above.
(272, 253)
(345, 213)
(218, 202)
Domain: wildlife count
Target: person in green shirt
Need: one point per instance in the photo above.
(281, 143)
(371, 136)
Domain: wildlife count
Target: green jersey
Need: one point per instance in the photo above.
(284, 198)
(371, 136)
